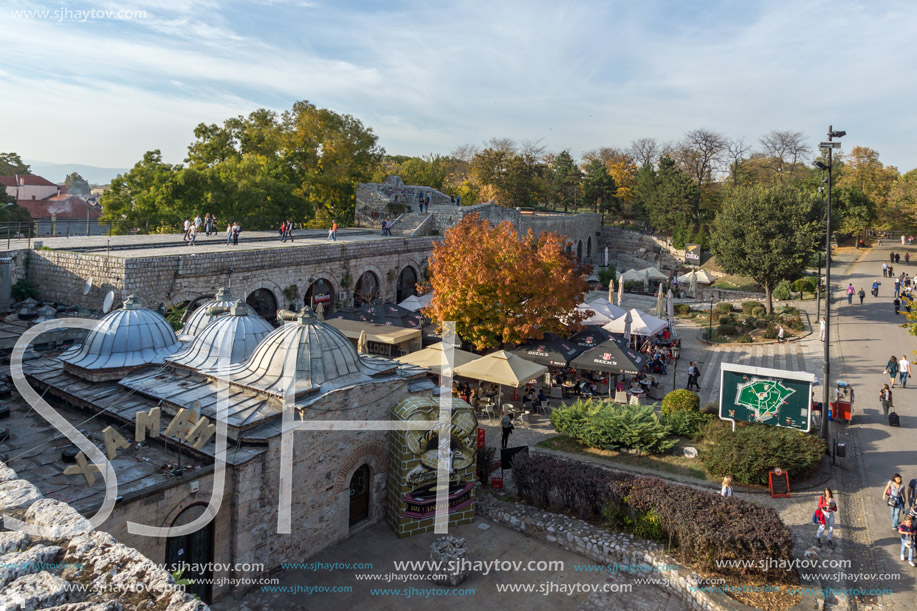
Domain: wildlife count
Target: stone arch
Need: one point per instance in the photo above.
(404, 288)
(379, 274)
(372, 454)
(367, 288)
(579, 250)
(242, 292)
(323, 274)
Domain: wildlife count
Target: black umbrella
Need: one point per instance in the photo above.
(381, 314)
(590, 337)
(552, 351)
(611, 356)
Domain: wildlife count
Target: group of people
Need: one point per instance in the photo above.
(423, 200)
(208, 225)
(902, 503)
(286, 231)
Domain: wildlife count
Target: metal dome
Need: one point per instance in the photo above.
(319, 356)
(201, 317)
(234, 331)
(130, 337)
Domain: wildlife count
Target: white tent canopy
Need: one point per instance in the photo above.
(631, 275)
(637, 275)
(501, 367)
(605, 311)
(703, 277)
(641, 324)
(431, 358)
(416, 302)
(656, 274)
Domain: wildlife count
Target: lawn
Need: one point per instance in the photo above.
(736, 283)
(674, 462)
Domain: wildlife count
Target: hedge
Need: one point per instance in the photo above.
(703, 526)
(680, 401)
(725, 308)
(748, 307)
(682, 308)
(611, 426)
(754, 449)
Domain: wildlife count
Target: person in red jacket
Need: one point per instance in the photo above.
(827, 507)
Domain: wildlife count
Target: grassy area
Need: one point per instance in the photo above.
(674, 463)
(736, 283)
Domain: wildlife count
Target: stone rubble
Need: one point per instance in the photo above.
(446, 550)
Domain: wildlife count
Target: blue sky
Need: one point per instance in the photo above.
(428, 76)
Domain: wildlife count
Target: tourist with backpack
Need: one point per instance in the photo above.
(827, 507)
(894, 498)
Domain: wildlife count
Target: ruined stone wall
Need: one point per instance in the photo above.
(67, 562)
(375, 200)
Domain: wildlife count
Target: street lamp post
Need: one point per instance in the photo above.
(828, 146)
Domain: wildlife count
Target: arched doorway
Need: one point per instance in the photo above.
(579, 251)
(320, 292)
(359, 495)
(589, 246)
(407, 283)
(263, 302)
(194, 552)
(366, 289)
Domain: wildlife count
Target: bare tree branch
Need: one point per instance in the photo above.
(645, 151)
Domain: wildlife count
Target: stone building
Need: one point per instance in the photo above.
(172, 413)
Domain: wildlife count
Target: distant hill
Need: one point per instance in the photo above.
(57, 172)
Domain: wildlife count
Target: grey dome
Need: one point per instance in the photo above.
(318, 355)
(236, 331)
(129, 337)
(201, 317)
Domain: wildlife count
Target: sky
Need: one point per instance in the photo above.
(428, 76)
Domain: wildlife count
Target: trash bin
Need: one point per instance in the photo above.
(840, 450)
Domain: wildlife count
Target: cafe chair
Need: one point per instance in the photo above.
(557, 392)
(620, 397)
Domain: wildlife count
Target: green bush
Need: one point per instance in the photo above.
(748, 307)
(23, 289)
(703, 526)
(769, 333)
(710, 408)
(804, 284)
(682, 308)
(726, 319)
(782, 292)
(745, 339)
(680, 401)
(790, 311)
(762, 323)
(687, 423)
(607, 275)
(759, 312)
(754, 449)
(610, 426)
(726, 330)
(725, 308)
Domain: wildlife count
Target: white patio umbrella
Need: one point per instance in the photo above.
(431, 358)
(631, 275)
(639, 323)
(627, 320)
(320, 312)
(611, 290)
(670, 307)
(659, 304)
(694, 284)
(657, 274)
(362, 342)
(606, 256)
(620, 294)
(646, 281)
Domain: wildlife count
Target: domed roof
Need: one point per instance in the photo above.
(130, 337)
(235, 332)
(202, 316)
(319, 357)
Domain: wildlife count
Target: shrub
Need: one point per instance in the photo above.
(795, 324)
(759, 312)
(607, 425)
(726, 319)
(782, 292)
(682, 308)
(725, 308)
(687, 423)
(726, 330)
(748, 307)
(680, 401)
(485, 465)
(769, 333)
(23, 289)
(710, 408)
(804, 284)
(702, 525)
(762, 323)
(790, 311)
(607, 275)
(745, 339)
(754, 449)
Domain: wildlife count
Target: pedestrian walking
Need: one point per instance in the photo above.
(875, 288)
(827, 507)
(228, 234)
(780, 335)
(507, 425)
(192, 235)
(726, 490)
(897, 286)
(207, 224)
(891, 256)
(289, 234)
(283, 231)
(861, 295)
(822, 328)
(908, 532)
(885, 270)
(187, 228)
(236, 230)
(693, 376)
(885, 399)
(907, 258)
(891, 271)
(197, 222)
(332, 232)
(850, 292)
(894, 498)
(897, 258)
(897, 304)
(904, 370)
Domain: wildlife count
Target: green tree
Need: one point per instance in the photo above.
(767, 233)
(670, 199)
(902, 202)
(77, 184)
(565, 181)
(599, 188)
(11, 163)
(855, 210)
(146, 193)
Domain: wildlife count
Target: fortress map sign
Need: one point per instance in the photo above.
(766, 396)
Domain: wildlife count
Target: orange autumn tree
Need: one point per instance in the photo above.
(500, 288)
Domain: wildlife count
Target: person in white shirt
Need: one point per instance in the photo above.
(726, 490)
(822, 327)
(197, 222)
(904, 370)
(187, 228)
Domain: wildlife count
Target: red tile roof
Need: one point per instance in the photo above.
(72, 208)
(28, 180)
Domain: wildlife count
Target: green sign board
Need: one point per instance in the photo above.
(767, 396)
